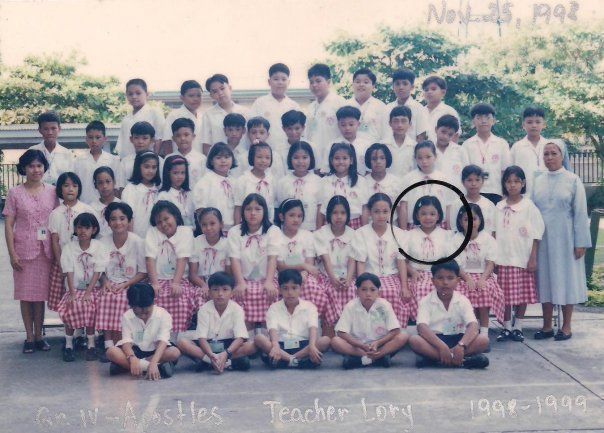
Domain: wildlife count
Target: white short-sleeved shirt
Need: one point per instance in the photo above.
(197, 165)
(356, 195)
(153, 115)
(322, 124)
(367, 326)
(403, 159)
(125, 262)
(248, 183)
(183, 112)
(432, 312)
(361, 143)
(492, 156)
(379, 253)
(166, 251)
(294, 251)
(61, 220)
(127, 167)
(451, 162)
(83, 264)
(143, 335)
(277, 169)
(211, 258)
(529, 158)
(294, 326)
(240, 154)
(489, 213)
(338, 248)
(212, 126)
(141, 199)
(373, 112)
(183, 201)
(216, 191)
(253, 249)
(430, 247)
(60, 160)
(473, 259)
(443, 194)
(439, 111)
(272, 110)
(99, 212)
(306, 189)
(516, 228)
(85, 166)
(419, 116)
(390, 185)
(213, 326)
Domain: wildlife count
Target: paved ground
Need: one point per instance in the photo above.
(529, 387)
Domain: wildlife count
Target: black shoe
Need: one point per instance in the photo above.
(561, 336)
(488, 349)
(504, 335)
(68, 355)
(543, 335)
(307, 364)
(80, 343)
(28, 347)
(42, 345)
(385, 361)
(115, 369)
(201, 366)
(241, 364)
(91, 354)
(517, 335)
(102, 355)
(166, 370)
(423, 361)
(475, 361)
(351, 362)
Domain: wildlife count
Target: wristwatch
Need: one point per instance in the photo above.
(229, 354)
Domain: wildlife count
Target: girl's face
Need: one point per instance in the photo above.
(341, 162)
(69, 190)
(253, 214)
(136, 96)
(380, 213)
(475, 222)
(552, 157)
(378, 161)
(473, 184)
(300, 161)
(513, 185)
(104, 184)
(118, 221)
(178, 173)
(293, 218)
(222, 163)
(427, 216)
(148, 169)
(34, 171)
(84, 233)
(425, 159)
(262, 159)
(166, 223)
(338, 216)
(210, 225)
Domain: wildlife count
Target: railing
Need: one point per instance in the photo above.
(9, 178)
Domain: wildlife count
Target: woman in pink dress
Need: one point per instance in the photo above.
(26, 213)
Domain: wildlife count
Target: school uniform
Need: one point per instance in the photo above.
(436, 113)
(277, 168)
(220, 330)
(183, 201)
(356, 195)
(489, 213)
(252, 250)
(214, 190)
(85, 166)
(144, 337)
(306, 189)
(361, 143)
(390, 185)
(99, 212)
(166, 251)
(444, 195)
(272, 110)
(60, 160)
(322, 125)
(293, 329)
(183, 112)
(403, 159)
(368, 326)
(381, 257)
(419, 117)
(141, 199)
(127, 167)
(197, 164)
(240, 154)
(451, 162)
(472, 260)
(123, 265)
(248, 183)
(493, 156)
(212, 123)
(210, 259)
(82, 264)
(517, 226)
(373, 112)
(153, 115)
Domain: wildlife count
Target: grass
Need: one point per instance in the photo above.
(595, 296)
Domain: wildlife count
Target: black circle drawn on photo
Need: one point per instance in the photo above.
(466, 206)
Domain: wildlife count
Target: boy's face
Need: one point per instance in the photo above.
(49, 131)
(221, 294)
(362, 87)
(136, 96)
(445, 282)
(278, 83)
(367, 293)
(444, 135)
(143, 313)
(290, 292)
(192, 99)
(141, 142)
(234, 134)
(400, 125)
(220, 92)
(294, 132)
(257, 134)
(183, 137)
(319, 86)
(433, 93)
(533, 125)
(402, 89)
(483, 122)
(95, 140)
(348, 127)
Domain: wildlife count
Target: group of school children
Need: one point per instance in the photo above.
(295, 223)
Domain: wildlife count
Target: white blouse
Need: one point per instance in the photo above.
(474, 257)
(445, 195)
(248, 183)
(166, 250)
(183, 201)
(211, 258)
(125, 262)
(253, 249)
(307, 189)
(434, 246)
(83, 264)
(379, 253)
(141, 199)
(99, 212)
(337, 248)
(216, 191)
(294, 251)
(61, 220)
(356, 195)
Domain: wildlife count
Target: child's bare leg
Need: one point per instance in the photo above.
(188, 347)
(421, 347)
(341, 346)
(322, 344)
(264, 344)
(90, 330)
(117, 356)
(246, 349)
(507, 315)
(327, 329)
(483, 316)
(171, 354)
(520, 310)
(478, 345)
(395, 344)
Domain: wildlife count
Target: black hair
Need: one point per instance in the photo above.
(170, 162)
(365, 71)
(427, 200)
(333, 202)
(450, 266)
(287, 205)
(87, 220)
(278, 67)
(348, 111)
(139, 159)
(63, 178)
(319, 70)
(290, 276)
(258, 121)
(168, 206)
(377, 197)
(448, 121)
(401, 110)
(103, 169)
(533, 112)
(48, 117)
(472, 169)
(304, 146)
(374, 148)
(403, 74)
(367, 276)
(434, 79)
(292, 117)
(481, 109)
(251, 154)
(218, 149)
(426, 144)
(516, 171)
(216, 78)
(352, 170)
(183, 122)
(96, 125)
(266, 222)
(234, 119)
(118, 205)
(140, 295)
(188, 85)
(31, 155)
(137, 82)
(475, 210)
(142, 128)
(221, 279)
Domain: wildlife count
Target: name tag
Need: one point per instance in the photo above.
(216, 346)
(290, 343)
(42, 233)
(139, 336)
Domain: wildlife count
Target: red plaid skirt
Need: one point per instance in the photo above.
(518, 285)
(78, 314)
(314, 291)
(391, 291)
(355, 223)
(255, 302)
(196, 297)
(180, 308)
(420, 289)
(337, 299)
(110, 308)
(57, 288)
(491, 296)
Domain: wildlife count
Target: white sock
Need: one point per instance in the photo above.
(507, 325)
(207, 359)
(293, 361)
(365, 360)
(108, 344)
(90, 340)
(484, 330)
(69, 342)
(518, 324)
(144, 364)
